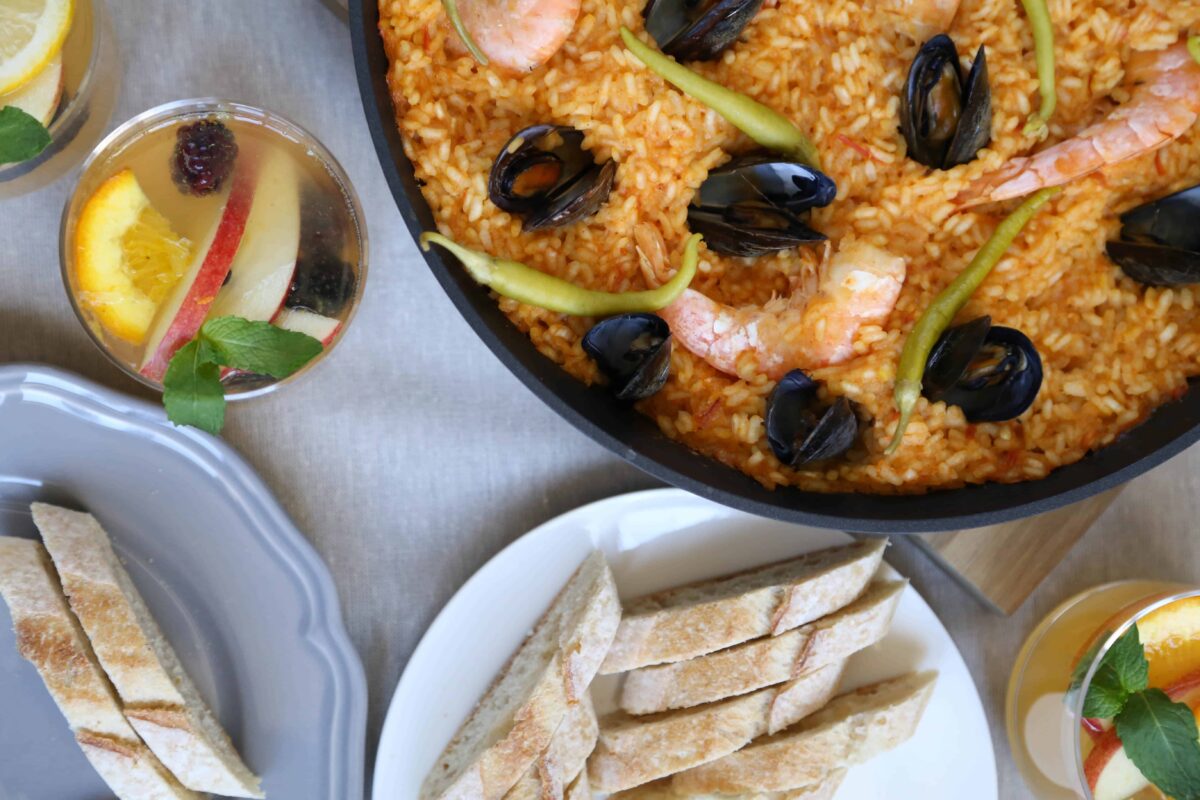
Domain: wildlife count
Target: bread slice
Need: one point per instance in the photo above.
(49, 637)
(824, 789)
(636, 750)
(518, 716)
(564, 759)
(850, 730)
(699, 618)
(580, 788)
(764, 662)
(157, 696)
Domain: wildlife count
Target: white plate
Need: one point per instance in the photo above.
(238, 591)
(655, 540)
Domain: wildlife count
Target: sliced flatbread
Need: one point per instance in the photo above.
(764, 662)
(518, 716)
(824, 789)
(49, 637)
(854, 728)
(157, 696)
(702, 617)
(565, 758)
(636, 750)
(580, 788)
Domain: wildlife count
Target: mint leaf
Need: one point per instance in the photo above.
(192, 390)
(258, 346)
(1160, 738)
(1123, 671)
(21, 136)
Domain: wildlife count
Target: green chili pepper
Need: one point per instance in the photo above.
(766, 127)
(947, 304)
(1194, 48)
(1043, 42)
(519, 282)
(451, 7)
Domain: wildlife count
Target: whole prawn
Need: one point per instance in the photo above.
(1164, 104)
(860, 286)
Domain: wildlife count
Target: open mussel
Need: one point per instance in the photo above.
(634, 353)
(697, 30)
(946, 117)
(1160, 241)
(800, 429)
(756, 204)
(545, 176)
(992, 373)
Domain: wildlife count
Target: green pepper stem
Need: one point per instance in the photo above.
(451, 7)
(766, 127)
(1043, 41)
(515, 280)
(941, 312)
(1193, 45)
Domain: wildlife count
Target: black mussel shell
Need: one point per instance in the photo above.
(946, 118)
(997, 381)
(697, 30)
(545, 176)
(1160, 241)
(634, 353)
(754, 205)
(802, 431)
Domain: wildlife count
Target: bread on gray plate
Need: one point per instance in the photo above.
(824, 789)
(702, 617)
(767, 661)
(564, 760)
(550, 672)
(636, 750)
(853, 728)
(49, 637)
(157, 696)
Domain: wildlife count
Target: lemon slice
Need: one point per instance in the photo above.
(127, 258)
(31, 34)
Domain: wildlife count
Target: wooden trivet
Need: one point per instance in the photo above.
(1003, 564)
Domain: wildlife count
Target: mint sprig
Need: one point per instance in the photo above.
(192, 390)
(1159, 736)
(21, 136)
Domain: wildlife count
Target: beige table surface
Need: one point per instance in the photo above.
(412, 456)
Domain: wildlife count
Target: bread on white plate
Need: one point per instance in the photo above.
(767, 661)
(550, 672)
(580, 788)
(636, 750)
(157, 696)
(564, 760)
(824, 789)
(710, 615)
(49, 637)
(853, 728)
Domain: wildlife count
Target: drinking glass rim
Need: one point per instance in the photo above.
(197, 106)
(1077, 695)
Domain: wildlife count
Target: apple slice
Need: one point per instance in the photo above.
(186, 308)
(39, 97)
(261, 271)
(323, 329)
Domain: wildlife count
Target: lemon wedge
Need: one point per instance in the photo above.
(31, 35)
(127, 258)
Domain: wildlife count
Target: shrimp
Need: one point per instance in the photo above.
(921, 19)
(1163, 105)
(519, 36)
(860, 286)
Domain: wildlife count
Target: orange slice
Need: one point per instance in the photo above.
(1171, 637)
(126, 257)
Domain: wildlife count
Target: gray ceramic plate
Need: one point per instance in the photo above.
(244, 599)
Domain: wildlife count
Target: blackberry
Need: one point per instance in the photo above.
(205, 152)
(322, 283)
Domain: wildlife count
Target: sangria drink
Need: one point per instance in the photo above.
(1067, 689)
(206, 209)
(59, 74)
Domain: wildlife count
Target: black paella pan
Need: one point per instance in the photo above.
(634, 437)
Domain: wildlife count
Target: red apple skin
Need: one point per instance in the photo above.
(209, 278)
(1107, 745)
